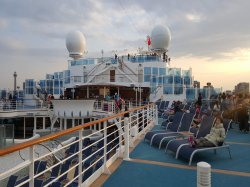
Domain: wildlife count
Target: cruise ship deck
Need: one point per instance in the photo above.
(129, 160)
(149, 166)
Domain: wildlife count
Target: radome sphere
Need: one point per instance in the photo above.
(160, 38)
(76, 44)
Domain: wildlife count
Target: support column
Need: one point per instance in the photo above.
(24, 124)
(31, 166)
(44, 123)
(34, 131)
(61, 121)
(65, 123)
(126, 138)
(87, 92)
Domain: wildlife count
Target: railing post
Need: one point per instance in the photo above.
(45, 126)
(112, 107)
(137, 120)
(102, 105)
(148, 115)
(99, 127)
(156, 114)
(126, 138)
(143, 122)
(80, 156)
(106, 170)
(31, 166)
(132, 129)
(34, 130)
(120, 136)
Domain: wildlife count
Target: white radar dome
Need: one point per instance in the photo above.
(76, 44)
(160, 38)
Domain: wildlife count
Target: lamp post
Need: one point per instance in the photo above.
(15, 76)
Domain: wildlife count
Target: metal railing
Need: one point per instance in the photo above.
(87, 156)
(24, 104)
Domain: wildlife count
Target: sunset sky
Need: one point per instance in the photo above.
(211, 36)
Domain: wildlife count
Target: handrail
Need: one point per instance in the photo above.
(40, 140)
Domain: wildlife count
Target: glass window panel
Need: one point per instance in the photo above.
(147, 70)
(162, 71)
(147, 78)
(155, 71)
(168, 90)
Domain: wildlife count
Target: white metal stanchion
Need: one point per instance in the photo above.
(203, 174)
(80, 155)
(31, 166)
(126, 138)
(106, 170)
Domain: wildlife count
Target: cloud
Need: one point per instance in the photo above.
(194, 17)
(212, 30)
(3, 23)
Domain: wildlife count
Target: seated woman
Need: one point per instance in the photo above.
(214, 138)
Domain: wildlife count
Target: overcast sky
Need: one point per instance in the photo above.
(211, 36)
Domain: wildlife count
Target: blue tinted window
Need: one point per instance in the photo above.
(187, 80)
(154, 79)
(177, 80)
(178, 90)
(168, 90)
(162, 71)
(155, 71)
(60, 75)
(170, 79)
(147, 78)
(147, 70)
(56, 83)
(160, 80)
(61, 83)
(57, 91)
(56, 75)
(67, 80)
(190, 94)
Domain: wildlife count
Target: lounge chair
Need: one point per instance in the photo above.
(12, 181)
(188, 152)
(205, 127)
(171, 127)
(39, 166)
(184, 126)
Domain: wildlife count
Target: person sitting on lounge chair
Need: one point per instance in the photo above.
(214, 138)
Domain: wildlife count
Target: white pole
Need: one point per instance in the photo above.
(136, 97)
(140, 96)
(34, 130)
(31, 166)
(44, 123)
(80, 155)
(24, 124)
(126, 137)
(203, 174)
(106, 170)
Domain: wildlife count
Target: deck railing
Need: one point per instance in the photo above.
(24, 104)
(83, 158)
